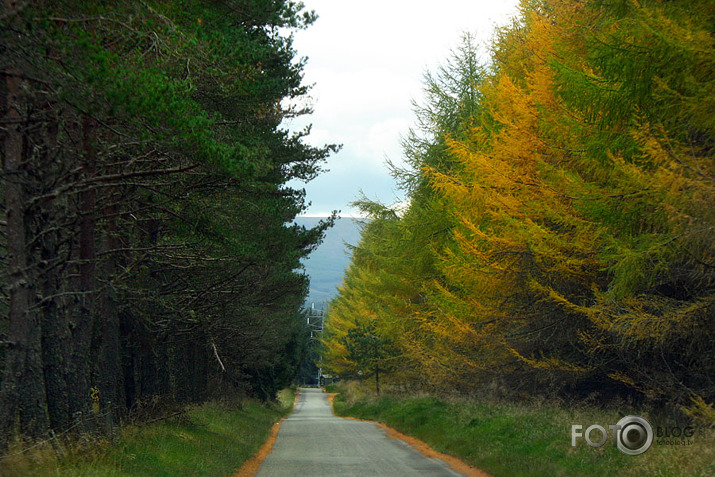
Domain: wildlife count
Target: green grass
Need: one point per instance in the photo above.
(506, 439)
(212, 439)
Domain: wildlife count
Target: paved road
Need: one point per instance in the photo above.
(314, 442)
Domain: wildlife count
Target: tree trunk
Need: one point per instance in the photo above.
(377, 380)
(109, 372)
(79, 375)
(55, 335)
(55, 329)
(23, 390)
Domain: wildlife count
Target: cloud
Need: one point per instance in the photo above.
(367, 60)
(381, 138)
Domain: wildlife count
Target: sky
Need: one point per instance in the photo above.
(366, 61)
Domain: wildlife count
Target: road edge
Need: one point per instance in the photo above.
(423, 448)
(420, 446)
(253, 463)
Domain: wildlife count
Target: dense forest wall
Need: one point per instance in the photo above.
(146, 249)
(560, 233)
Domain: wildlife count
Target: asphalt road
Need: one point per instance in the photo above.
(312, 441)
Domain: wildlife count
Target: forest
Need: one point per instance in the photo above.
(147, 246)
(559, 237)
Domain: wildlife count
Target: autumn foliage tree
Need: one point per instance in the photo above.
(395, 268)
(580, 202)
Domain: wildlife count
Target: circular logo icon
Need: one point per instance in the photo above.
(634, 436)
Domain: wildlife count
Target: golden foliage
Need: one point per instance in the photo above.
(580, 204)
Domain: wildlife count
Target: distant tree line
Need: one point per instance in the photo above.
(560, 233)
(146, 245)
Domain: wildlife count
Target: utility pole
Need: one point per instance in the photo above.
(316, 329)
(320, 358)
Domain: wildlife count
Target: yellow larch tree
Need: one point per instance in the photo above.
(585, 196)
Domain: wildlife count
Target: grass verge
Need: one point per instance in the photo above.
(211, 439)
(507, 439)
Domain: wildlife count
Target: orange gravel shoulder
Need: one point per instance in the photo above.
(427, 451)
(250, 467)
(424, 448)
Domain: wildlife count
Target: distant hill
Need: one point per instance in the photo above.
(327, 264)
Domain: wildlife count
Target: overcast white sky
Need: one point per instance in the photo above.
(366, 59)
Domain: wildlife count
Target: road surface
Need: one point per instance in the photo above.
(312, 441)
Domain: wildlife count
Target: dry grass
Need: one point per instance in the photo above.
(526, 439)
(213, 439)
